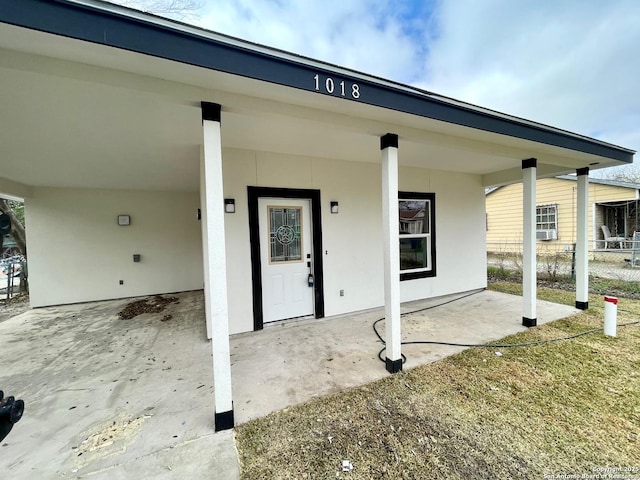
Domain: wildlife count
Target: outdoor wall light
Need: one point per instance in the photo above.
(334, 207)
(230, 205)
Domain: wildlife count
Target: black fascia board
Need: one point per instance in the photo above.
(87, 23)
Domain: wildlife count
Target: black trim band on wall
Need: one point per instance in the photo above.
(254, 193)
(141, 35)
(224, 421)
(393, 366)
(432, 228)
(211, 111)
(388, 140)
(529, 163)
(582, 171)
(582, 305)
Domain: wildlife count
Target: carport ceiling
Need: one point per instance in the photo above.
(83, 115)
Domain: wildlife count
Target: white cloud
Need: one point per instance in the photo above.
(366, 35)
(572, 64)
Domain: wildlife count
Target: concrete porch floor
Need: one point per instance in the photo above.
(111, 398)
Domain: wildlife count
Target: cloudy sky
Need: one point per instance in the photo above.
(573, 64)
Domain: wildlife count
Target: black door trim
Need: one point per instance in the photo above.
(254, 194)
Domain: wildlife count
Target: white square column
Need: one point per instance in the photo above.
(529, 274)
(215, 265)
(582, 253)
(391, 251)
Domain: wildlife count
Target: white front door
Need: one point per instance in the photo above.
(285, 256)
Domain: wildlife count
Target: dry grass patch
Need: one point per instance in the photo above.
(562, 407)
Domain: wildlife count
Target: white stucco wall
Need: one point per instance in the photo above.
(460, 232)
(77, 252)
(352, 239)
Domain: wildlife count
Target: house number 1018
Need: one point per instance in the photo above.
(341, 88)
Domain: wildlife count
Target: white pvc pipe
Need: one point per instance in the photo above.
(610, 315)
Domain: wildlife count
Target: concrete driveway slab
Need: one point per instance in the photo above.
(108, 398)
(292, 362)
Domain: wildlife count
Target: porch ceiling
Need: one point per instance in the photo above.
(77, 114)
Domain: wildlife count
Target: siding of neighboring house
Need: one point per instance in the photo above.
(504, 209)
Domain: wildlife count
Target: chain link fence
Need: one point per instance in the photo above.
(620, 261)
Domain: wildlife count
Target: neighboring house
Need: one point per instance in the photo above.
(168, 158)
(610, 203)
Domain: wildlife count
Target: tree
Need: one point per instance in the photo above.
(628, 174)
(176, 9)
(15, 211)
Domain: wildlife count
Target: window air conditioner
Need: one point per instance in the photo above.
(546, 235)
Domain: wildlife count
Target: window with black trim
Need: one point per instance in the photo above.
(416, 214)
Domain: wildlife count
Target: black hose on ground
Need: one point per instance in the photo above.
(478, 345)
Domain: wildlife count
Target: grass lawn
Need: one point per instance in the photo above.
(565, 407)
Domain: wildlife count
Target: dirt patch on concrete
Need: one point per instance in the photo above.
(155, 304)
(108, 439)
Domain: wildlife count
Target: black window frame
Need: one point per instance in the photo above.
(403, 196)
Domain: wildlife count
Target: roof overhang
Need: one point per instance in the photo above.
(98, 89)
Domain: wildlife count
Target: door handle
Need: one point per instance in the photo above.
(310, 280)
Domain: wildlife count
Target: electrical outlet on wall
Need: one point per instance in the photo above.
(121, 282)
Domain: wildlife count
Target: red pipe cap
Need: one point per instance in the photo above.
(613, 300)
